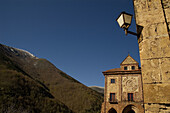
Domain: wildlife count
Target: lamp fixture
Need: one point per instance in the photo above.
(124, 20)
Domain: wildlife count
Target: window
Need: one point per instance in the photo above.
(112, 97)
(130, 96)
(133, 67)
(125, 68)
(112, 80)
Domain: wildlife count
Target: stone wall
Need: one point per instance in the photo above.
(113, 87)
(124, 84)
(154, 48)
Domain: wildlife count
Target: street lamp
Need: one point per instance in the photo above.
(124, 21)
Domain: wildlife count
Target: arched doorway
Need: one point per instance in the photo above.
(130, 109)
(112, 111)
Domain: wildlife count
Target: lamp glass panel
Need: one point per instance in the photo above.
(128, 19)
(120, 20)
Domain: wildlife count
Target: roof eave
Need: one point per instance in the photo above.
(121, 72)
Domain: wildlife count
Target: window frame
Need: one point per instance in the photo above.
(112, 97)
(133, 67)
(125, 68)
(130, 97)
(112, 82)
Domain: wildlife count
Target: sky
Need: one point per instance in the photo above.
(80, 37)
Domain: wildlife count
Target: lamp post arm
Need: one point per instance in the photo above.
(130, 32)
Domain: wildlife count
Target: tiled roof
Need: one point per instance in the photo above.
(115, 69)
(121, 71)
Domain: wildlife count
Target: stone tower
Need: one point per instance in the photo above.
(123, 88)
(154, 48)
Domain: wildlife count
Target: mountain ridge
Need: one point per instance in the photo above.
(78, 97)
(98, 89)
(21, 93)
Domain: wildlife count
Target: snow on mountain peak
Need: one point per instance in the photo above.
(26, 52)
(22, 52)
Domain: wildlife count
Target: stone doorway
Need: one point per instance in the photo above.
(112, 111)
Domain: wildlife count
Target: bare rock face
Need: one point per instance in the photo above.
(154, 48)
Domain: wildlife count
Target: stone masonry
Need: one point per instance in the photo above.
(123, 88)
(154, 48)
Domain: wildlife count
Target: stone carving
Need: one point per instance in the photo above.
(130, 84)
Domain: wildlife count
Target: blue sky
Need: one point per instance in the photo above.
(80, 37)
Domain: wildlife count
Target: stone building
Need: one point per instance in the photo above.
(154, 49)
(123, 88)
(153, 16)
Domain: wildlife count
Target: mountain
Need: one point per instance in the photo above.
(98, 89)
(39, 83)
(19, 92)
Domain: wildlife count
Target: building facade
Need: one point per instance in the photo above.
(154, 49)
(123, 88)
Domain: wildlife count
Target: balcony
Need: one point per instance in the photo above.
(113, 101)
(128, 101)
